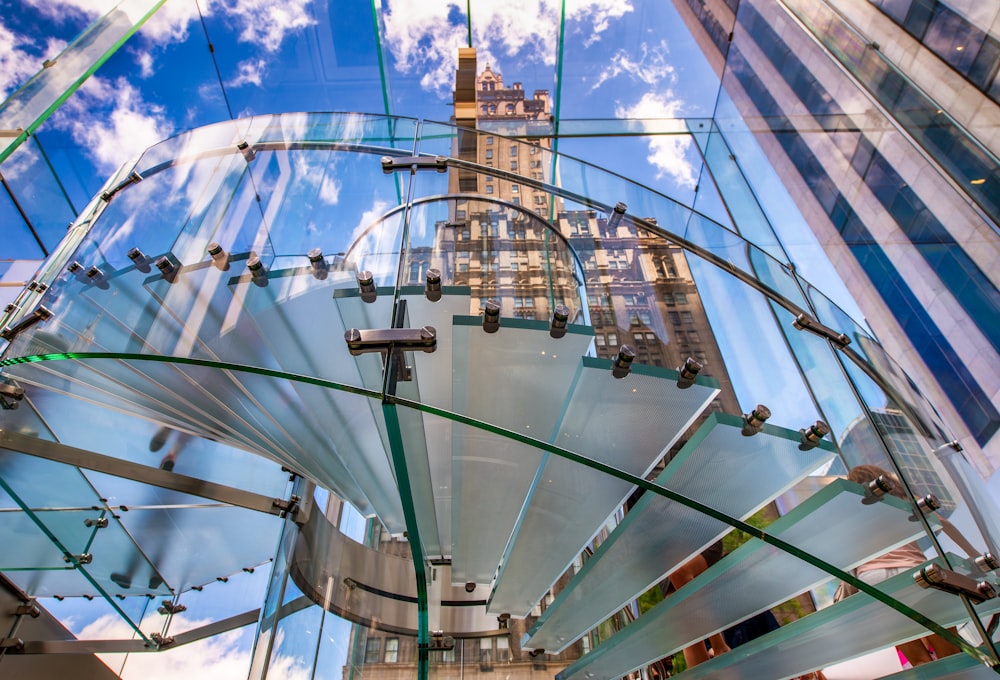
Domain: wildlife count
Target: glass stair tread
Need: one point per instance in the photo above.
(427, 441)
(757, 576)
(492, 475)
(954, 667)
(659, 535)
(627, 423)
(850, 628)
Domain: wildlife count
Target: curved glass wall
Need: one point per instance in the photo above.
(589, 426)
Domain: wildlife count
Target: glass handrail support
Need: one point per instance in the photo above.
(756, 576)
(720, 467)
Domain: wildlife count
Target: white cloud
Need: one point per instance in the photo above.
(329, 190)
(223, 657)
(145, 62)
(249, 72)
(667, 153)
(112, 122)
(171, 23)
(651, 67)
(422, 39)
(267, 22)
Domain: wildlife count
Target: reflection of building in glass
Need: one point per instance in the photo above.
(881, 121)
(504, 249)
(862, 444)
(499, 241)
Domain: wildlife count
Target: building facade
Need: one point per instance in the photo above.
(881, 118)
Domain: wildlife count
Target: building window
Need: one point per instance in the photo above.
(503, 650)
(513, 165)
(372, 648)
(612, 339)
(489, 178)
(416, 270)
(391, 650)
(510, 109)
(641, 318)
(524, 302)
(687, 317)
(486, 653)
(667, 267)
(514, 189)
(681, 298)
(513, 151)
(489, 188)
(674, 317)
(489, 153)
(489, 140)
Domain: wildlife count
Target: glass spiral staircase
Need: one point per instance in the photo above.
(211, 291)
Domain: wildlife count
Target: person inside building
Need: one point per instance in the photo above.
(699, 653)
(901, 559)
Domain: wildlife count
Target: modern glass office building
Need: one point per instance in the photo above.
(449, 340)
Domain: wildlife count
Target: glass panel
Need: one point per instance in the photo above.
(658, 535)
(219, 599)
(40, 194)
(494, 474)
(194, 546)
(40, 96)
(755, 577)
(302, 59)
(629, 424)
(111, 433)
(852, 627)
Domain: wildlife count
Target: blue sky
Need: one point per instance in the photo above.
(619, 60)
